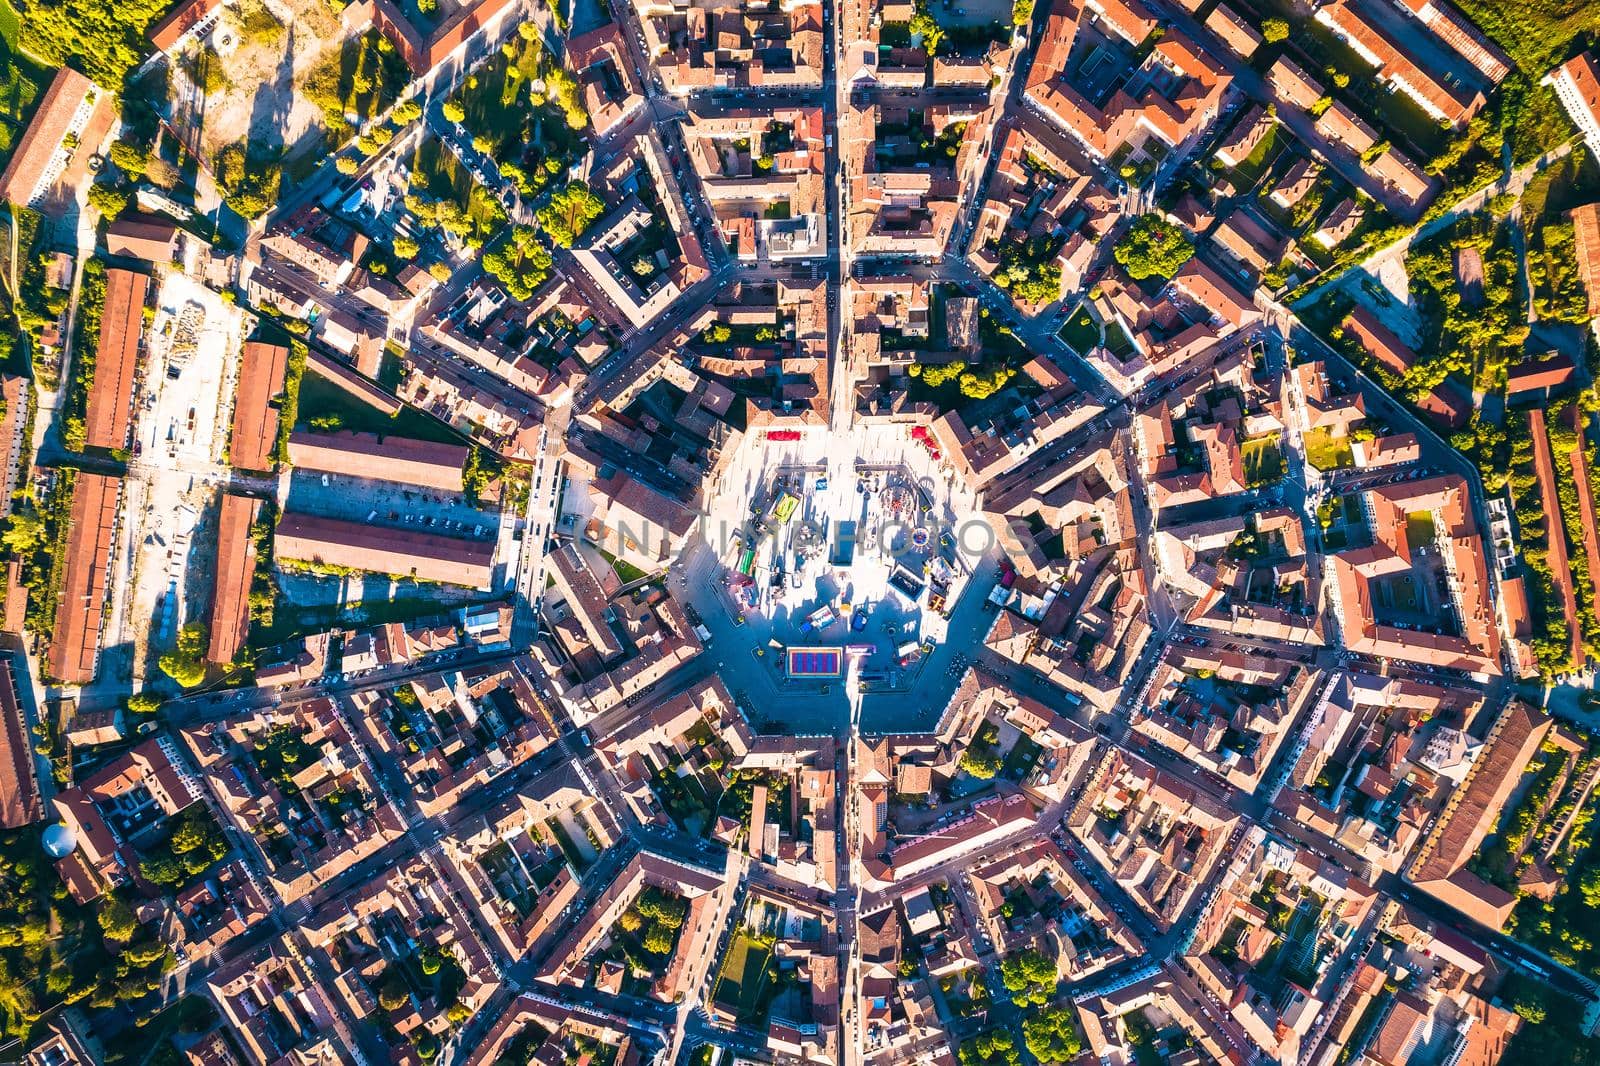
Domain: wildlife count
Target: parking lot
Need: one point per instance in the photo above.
(383, 503)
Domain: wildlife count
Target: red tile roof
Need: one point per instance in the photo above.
(110, 414)
(236, 567)
(423, 556)
(430, 464)
(255, 421)
(142, 237)
(1378, 341)
(1586, 249)
(42, 138)
(179, 21)
(20, 803)
(75, 638)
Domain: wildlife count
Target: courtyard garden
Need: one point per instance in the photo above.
(523, 110)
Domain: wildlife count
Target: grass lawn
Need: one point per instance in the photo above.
(575, 855)
(743, 977)
(10, 24)
(1327, 452)
(320, 398)
(1082, 332)
(1403, 592)
(468, 210)
(500, 109)
(1419, 529)
(290, 621)
(1534, 33)
(1248, 172)
(1263, 460)
(20, 82)
(625, 570)
(1118, 343)
(1020, 759)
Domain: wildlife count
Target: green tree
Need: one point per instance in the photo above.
(997, 1047)
(117, 920)
(1021, 12)
(105, 40)
(405, 247)
(130, 159)
(161, 870)
(186, 662)
(24, 533)
(981, 762)
(1274, 30)
(1030, 977)
(570, 211)
(109, 200)
(981, 384)
(936, 374)
(658, 940)
(453, 111)
(392, 991)
(1152, 248)
(196, 834)
(1529, 1003)
(926, 28)
(520, 262)
(1051, 1034)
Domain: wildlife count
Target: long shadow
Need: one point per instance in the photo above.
(264, 136)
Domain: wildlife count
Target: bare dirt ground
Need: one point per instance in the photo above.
(1398, 314)
(274, 45)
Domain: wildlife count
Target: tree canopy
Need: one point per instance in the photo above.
(570, 212)
(1051, 1034)
(106, 39)
(980, 762)
(997, 1047)
(186, 662)
(926, 28)
(520, 262)
(1152, 247)
(1030, 977)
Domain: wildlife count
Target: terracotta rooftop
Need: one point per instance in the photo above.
(110, 415)
(255, 422)
(31, 162)
(236, 566)
(404, 552)
(429, 464)
(19, 785)
(75, 638)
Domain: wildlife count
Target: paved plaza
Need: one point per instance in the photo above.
(863, 548)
